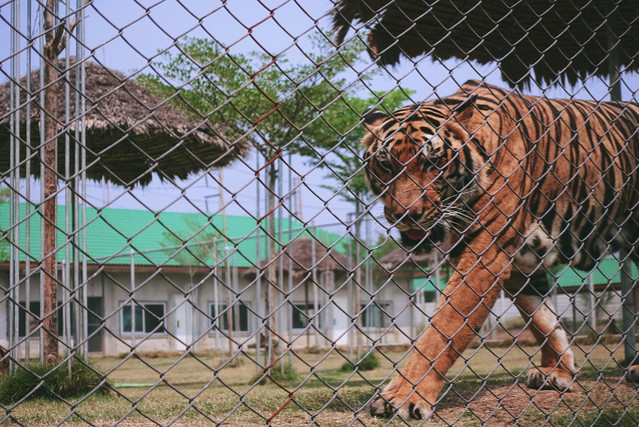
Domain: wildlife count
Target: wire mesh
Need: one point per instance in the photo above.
(291, 212)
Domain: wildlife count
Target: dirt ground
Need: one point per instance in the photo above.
(518, 405)
(608, 401)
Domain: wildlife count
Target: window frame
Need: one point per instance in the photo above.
(307, 306)
(380, 309)
(238, 303)
(142, 305)
(35, 307)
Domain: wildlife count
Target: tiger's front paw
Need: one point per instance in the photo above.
(402, 401)
(552, 378)
(633, 374)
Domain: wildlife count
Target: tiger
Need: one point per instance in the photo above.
(507, 186)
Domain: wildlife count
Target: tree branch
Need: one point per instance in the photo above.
(56, 44)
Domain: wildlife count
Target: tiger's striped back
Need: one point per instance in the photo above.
(557, 177)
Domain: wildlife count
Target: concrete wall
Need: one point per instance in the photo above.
(186, 303)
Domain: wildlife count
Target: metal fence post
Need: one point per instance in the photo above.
(629, 317)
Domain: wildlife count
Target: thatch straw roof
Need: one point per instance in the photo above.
(305, 255)
(558, 40)
(130, 133)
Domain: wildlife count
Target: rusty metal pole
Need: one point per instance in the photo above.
(271, 269)
(629, 315)
(358, 279)
(259, 324)
(13, 196)
(227, 267)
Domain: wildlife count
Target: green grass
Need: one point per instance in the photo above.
(367, 363)
(47, 381)
(605, 417)
(281, 373)
(196, 390)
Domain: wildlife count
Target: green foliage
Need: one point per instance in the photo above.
(279, 103)
(368, 363)
(282, 372)
(306, 107)
(384, 246)
(37, 380)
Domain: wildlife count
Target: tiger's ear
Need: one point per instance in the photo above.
(372, 115)
(464, 111)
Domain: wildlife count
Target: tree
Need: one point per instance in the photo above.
(55, 43)
(304, 108)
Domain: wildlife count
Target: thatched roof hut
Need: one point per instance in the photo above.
(558, 40)
(130, 134)
(304, 255)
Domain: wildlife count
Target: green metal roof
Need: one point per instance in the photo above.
(158, 238)
(429, 283)
(608, 271)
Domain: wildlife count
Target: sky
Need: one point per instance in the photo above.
(128, 36)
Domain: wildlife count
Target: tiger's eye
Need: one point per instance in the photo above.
(385, 164)
(383, 160)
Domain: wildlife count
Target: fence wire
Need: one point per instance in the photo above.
(292, 212)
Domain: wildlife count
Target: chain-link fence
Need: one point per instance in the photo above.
(193, 231)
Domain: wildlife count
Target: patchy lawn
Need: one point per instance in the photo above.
(486, 386)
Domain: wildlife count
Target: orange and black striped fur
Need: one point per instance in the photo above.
(516, 185)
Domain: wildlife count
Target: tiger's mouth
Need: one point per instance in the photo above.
(421, 241)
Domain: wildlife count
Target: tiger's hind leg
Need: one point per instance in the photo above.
(557, 368)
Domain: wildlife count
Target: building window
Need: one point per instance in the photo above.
(430, 296)
(303, 314)
(376, 315)
(239, 316)
(31, 318)
(149, 318)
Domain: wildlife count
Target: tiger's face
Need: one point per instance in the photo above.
(423, 164)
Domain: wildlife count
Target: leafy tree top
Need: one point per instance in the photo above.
(276, 102)
(308, 108)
